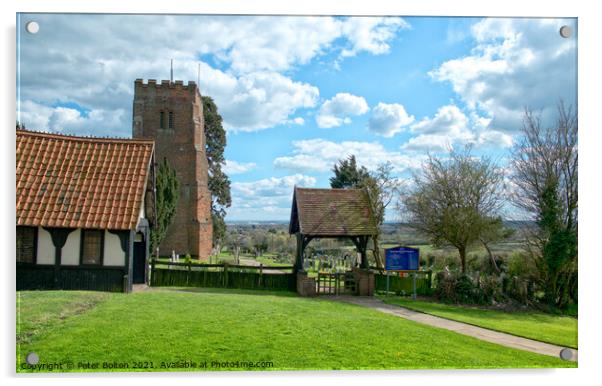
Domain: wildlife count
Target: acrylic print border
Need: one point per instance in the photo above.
(80, 184)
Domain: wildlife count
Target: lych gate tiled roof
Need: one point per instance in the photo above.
(76, 182)
(332, 212)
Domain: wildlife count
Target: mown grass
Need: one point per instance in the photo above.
(41, 311)
(555, 329)
(292, 333)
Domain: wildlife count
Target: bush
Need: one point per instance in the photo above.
(517, 283)
(461, 288)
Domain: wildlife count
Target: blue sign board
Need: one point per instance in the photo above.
(401, 259)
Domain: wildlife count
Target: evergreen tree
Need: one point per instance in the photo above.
(347, 174)
(379, 185)
(167, 187)
(219, 183)
(545, 176)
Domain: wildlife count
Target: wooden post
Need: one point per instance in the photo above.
(298, 252)
(59, 238)
(363, 241)
(387, 273)
(260, 274)
(152, 272)
(188, 273)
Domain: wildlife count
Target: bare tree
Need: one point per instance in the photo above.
(456, 200)
(545, 154)
(545, 177)
(382, 188)
(235, 241)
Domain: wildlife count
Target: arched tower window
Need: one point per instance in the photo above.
(162, 120)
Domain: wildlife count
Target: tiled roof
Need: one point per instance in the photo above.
(332, 212)
(79, 182)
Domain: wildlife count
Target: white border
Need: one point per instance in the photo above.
(590, 214)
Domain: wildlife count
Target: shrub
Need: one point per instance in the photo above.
(461, 288)
(465, 291)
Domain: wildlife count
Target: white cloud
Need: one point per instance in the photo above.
(69, 120)
(428, 142)
(495, 139)
(262, 100)
(371, 34)
(448, 120)
(389, 119)
(273, 186)
(319, 155)
(232, 167)
(338, 110)
(451, 126)
(296, 121)
(242, 58)
(515, 63)
(268, 198)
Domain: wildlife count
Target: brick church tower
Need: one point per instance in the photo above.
(171, 113)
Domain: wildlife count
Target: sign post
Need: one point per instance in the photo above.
(387, 284)
(414, 286)
(402, 259)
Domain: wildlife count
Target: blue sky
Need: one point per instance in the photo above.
(299, 93)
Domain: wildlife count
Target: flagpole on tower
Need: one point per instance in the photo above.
(171, 72)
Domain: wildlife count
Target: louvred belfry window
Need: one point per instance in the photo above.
(171, 120)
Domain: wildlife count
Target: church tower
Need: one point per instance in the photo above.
(171, 113)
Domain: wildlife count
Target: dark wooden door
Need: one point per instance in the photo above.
(139, 261)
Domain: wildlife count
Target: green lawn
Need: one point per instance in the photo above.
(560, 330)
(166, 326)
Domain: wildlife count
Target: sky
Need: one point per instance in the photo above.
(297, 94)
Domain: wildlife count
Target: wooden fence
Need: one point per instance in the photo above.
(401, 285)
(271, 278)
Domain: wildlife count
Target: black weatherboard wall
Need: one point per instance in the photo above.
(31, 276)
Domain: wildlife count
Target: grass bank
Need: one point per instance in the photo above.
(560, 330)
(163, 329)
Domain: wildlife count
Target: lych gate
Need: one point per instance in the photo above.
(333, 213)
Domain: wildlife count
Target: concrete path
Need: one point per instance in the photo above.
(140, 287)
(459, 327)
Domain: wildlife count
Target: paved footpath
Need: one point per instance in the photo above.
(459, 327)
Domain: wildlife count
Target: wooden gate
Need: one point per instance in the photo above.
(340, 283)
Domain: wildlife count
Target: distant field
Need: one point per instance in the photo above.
(427, 248)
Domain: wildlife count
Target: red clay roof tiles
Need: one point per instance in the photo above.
(332, 212)
(78, 182)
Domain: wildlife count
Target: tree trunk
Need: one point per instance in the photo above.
(376, 253)
(462, 252)
(497, 269)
